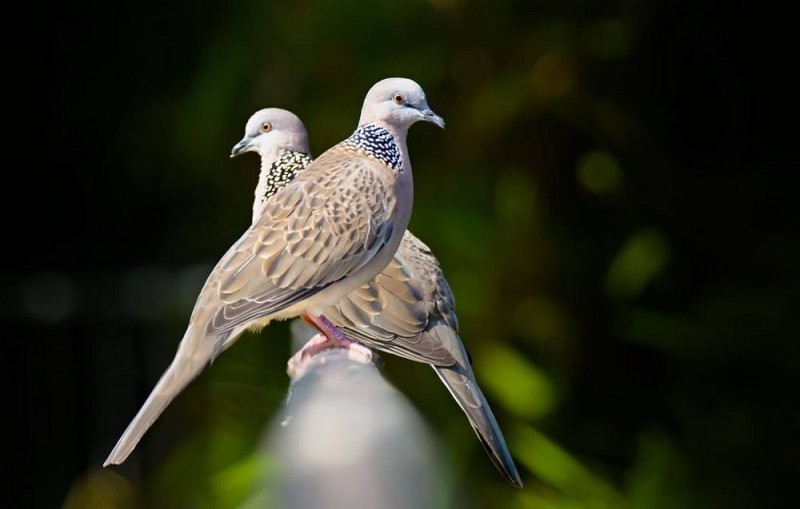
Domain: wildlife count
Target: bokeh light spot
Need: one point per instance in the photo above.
(639, 262)
(520, 386)
(516, 199)
(101, 488)
(599, 172)
(575, 485)
(553, 75)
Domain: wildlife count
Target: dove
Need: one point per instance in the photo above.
(408, 310)
(331, 229)
(281, 139)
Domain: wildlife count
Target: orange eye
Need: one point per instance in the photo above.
(266, 127)
(399, 98)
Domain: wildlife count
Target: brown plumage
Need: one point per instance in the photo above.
(332, 229)
(396, 312)
(408, 310)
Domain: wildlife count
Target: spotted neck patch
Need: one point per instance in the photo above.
(375, 141)
(282, 171)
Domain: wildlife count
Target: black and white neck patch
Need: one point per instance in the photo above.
(375, 141)
(284, 170)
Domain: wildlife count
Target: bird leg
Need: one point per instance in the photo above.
(334, 335)
(330, 337)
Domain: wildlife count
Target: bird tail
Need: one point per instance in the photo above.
(461, 383)
(194, 352)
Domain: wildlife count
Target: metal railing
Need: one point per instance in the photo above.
(347, 439)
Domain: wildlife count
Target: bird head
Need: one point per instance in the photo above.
(272, 129)
(397, 102)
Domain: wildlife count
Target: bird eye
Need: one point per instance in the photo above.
(399, 98)
(266, 127)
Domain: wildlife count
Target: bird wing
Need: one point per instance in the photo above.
(409, 310)
(402, 310)
(322, 227)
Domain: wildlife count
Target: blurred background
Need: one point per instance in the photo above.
(612, 203)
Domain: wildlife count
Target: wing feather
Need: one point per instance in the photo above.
(323, 226)
(402, 310)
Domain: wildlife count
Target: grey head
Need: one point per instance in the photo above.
(397, 103)
(273, 130)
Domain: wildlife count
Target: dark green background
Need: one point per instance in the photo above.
(612, 203)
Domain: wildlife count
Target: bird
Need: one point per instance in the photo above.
(281, 139)
(327, 232)
(408, 310)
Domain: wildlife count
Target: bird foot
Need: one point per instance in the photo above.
(300, 360)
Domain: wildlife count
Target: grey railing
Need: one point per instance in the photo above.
(347, 439)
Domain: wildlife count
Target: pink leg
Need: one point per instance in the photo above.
(330, 337)
(333, 334)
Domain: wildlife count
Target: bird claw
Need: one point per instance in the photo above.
(355, 351)
(297, 362)
(360, 353)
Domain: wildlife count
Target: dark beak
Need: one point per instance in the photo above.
(433, 118)
(241, 147)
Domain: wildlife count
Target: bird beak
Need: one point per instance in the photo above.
(433, 118)
(241, 147)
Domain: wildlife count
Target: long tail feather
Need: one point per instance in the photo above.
(461, 383)
(192, 356)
